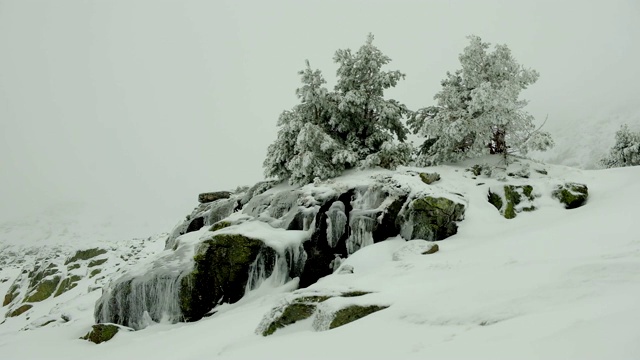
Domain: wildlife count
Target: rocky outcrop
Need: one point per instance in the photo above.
(572, 195)
(211, 258)
(213, 196)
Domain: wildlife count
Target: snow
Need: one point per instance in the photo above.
(549, 284)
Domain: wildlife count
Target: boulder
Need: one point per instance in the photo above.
(220, 273)
(20, 310)
(353, 313)
(430, 218)
(572, 195)
(429, 178)
(213, 196)
(517, 198)
(101, 333)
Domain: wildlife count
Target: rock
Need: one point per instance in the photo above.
(11, 294)
(320, 251)
(101, 333)
(195, 224)
(220, 274)
(518, 198)
(430, 218)
(353, 313)
(213, 196)
(85, 255)
(301, 307)
(572, 195)
(219, 225)
(434, 249)
(68, 284)
(19, 311)
(94, 272)
(44, 290)
(429, 178)
(97, 262)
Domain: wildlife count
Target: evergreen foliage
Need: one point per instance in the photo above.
(478, 109)
(353, 126)
(626, 150)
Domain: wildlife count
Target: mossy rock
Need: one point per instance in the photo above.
(44, 290)
(11, 294)
(94, 272)
(85, 255)
(312, 299)
(213, 196)
(219, 225)
(292, 313)
(19, 311)
(513, 196)
(572, 195)
(97, 262)
(67, 284)
(220, 273)
(431, 218)
(429, 178)
(495, 200)
(101, 333)
(73, 267)
(354, 293)
(353, 313)
(434, 249)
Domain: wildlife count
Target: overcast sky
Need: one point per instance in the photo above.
(131, 104)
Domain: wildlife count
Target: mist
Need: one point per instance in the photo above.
(134, 107)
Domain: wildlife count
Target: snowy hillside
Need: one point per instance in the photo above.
(533, 280)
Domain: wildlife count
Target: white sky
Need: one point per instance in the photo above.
(126, 104)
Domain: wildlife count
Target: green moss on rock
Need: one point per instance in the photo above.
(85, 255)
(354, 293)
(572, 195)
(94, 272)
(292, 313)
(19, 311)
(44, 290)
(11, 294)
(429, 178)
(312, 299)
(432, 250)
(97, 262)
(353, 313)
(431, 218)
(514, 195)
(219, 225)
(101, 333)
(220, 273)
(73, 267)
(67, 284)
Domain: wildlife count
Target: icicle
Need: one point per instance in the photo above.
(336, 223)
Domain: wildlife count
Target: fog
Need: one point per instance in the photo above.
(135, 107)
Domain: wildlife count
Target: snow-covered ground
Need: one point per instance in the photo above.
(549, 284)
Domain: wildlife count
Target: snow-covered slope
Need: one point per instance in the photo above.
(549, 284)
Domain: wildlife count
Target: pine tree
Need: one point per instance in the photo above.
(363, 119)
(478, 109)
(304, 149)
(626, 150)
(353, 126)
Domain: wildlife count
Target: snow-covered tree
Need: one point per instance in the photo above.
(304, 149)
(626, 150)
(364, 120)
(355, 125)
(478, 109)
